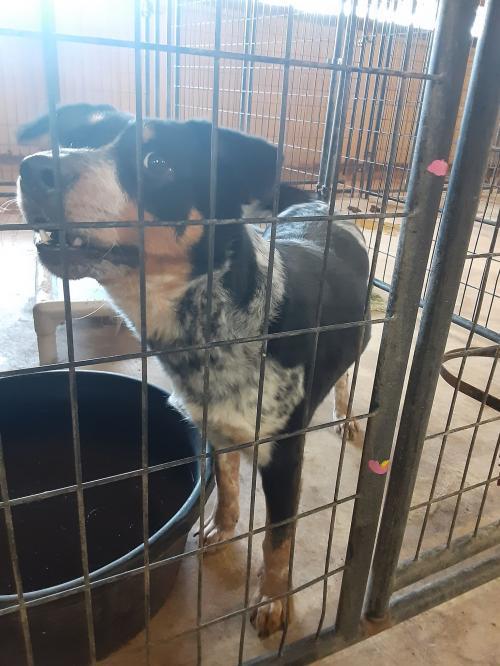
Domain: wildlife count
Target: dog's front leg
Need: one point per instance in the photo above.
(281, 483)
(222, 523)
(341, 404)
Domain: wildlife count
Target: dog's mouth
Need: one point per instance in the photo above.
(53, 239)
(82, 254)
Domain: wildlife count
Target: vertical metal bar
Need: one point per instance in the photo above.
(52, 86)
(456, 225)
(451, 410)
(471, 447)
(391, 162)
(147, 59)
(251, 68)
(170, 60)
(331, 107)
(434, 141)
(265, 322)
(16, 571)
(177, 61)
(491, 472)
(214, 145)
(143, 329)
(339, 114)
(250, 9)
(157, 58)
(357, 87)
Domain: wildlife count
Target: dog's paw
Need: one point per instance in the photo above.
(352, 428)
(213, 533)
(270, 618)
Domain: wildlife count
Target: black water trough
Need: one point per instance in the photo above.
(36, 431)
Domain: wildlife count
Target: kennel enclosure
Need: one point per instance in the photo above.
(360, 106)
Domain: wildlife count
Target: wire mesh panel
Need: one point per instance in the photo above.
(341, 91)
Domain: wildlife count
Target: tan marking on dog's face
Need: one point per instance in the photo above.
(97, 196)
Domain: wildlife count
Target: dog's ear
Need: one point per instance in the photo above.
(79, 126)
(246, 167)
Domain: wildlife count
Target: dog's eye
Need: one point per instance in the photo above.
(156, 164)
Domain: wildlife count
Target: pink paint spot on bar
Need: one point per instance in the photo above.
(438, 167)
(378, 468)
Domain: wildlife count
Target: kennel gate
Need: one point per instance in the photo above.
(439, 87)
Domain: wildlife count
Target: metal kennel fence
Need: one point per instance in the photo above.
(359, 106)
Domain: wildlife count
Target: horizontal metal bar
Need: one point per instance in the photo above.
(406, 605)
(441, 498)
(219, 53)
(437, 559)
(482, 255)
(119, 224)
(40, 601)
(202, 346)
(26, 499)
(487, 333)
(450, 431)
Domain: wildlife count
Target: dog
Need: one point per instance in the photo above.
(98, 179)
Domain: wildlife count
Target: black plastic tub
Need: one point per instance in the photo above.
(36, 431)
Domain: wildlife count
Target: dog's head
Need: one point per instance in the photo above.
(98, 183)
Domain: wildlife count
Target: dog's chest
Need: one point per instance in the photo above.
(233, 368)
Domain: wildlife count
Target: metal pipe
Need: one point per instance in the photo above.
(331, 105)
(449, 60)
(448, 586)
(451, 248)
(487, 333)
(442, 557)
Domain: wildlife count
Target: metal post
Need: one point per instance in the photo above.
(248, 39)
(331, 107)
(451, 248)
(449, 60)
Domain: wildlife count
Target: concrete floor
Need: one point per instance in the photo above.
(223, 572)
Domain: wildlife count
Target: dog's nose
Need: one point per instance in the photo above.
(37, 172)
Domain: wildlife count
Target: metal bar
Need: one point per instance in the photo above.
(250, 17)
(494, 461)
(169, 40)
(147, 59)
(177, 61)
(440, 108)
(143, 330)
(487, 333)
(451, 248)
(157, 12)
(450, 431)
(479, 484)
(451, 584)
(330, 107)
(33, 598)
(435, 560)
(14, 559)
(211, 53)
(121, 224)
(49, 47)
(127, 357)
(477, 312)
(266, 322)
(214, 146)
(340, 112)
(333, 169)
(375, 131)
